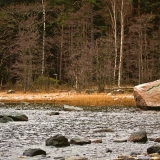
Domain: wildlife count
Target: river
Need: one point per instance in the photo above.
(15, 137)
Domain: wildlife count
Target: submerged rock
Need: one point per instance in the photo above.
(71, 108)
(147, 95)
(14, 117)
(34, 152)
(18, 117)
(139, 137)
(5, 119)
(153, 149)
(57, 141)
(80, 140)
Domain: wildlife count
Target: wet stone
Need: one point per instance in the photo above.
(57, 141)
(153, 149)
(139, 137)
(80, 140)
(34, 152)
(5, 119)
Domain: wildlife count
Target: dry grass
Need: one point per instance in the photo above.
(98, 100)
(70, 99)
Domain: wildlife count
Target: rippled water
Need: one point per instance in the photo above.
(15, 137)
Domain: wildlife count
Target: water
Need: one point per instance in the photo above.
(15, 137)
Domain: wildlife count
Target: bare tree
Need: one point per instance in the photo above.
(44, 33)
(25, 49)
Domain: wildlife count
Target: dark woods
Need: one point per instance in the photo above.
(79, 43)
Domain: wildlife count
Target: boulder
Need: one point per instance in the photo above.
(18, 117)
(34, 152)
(139, 137)
(5, 119)
(71, 108)
(57, 141)
(80, 140)
(15, 117)
(153, 149)
(147, 95)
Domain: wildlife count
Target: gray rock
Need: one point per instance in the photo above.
(118, 91)
(34, 152)
(80, 140)
(71, 108)
(57, 141)
(10, 91)
(153, 149)
(157, 140)
(18, 117)
(139, 137)
(5, 119)
(147, 95)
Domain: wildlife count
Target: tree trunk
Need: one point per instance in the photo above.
(61, 54)
(121, 46)
(115, 41)
(44, 32)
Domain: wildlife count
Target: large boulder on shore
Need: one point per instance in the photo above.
(147, 95)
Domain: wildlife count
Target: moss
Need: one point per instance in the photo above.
(153, 87)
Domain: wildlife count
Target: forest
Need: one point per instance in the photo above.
(78, 43)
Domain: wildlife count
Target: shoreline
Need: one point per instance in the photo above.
(70, 98)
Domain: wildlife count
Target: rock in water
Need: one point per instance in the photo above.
(5, 119)
(147, 95)
(139, 137)
(153, 149)
(33, 152)
(71, 108)
(80, 140)
(19, 117)
(57, 141)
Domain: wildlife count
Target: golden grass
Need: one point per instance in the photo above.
(97, 100)
(70, 99)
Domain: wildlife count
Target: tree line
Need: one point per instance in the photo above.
(80, 43)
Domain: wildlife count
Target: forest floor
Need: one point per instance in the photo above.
(70, 98)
